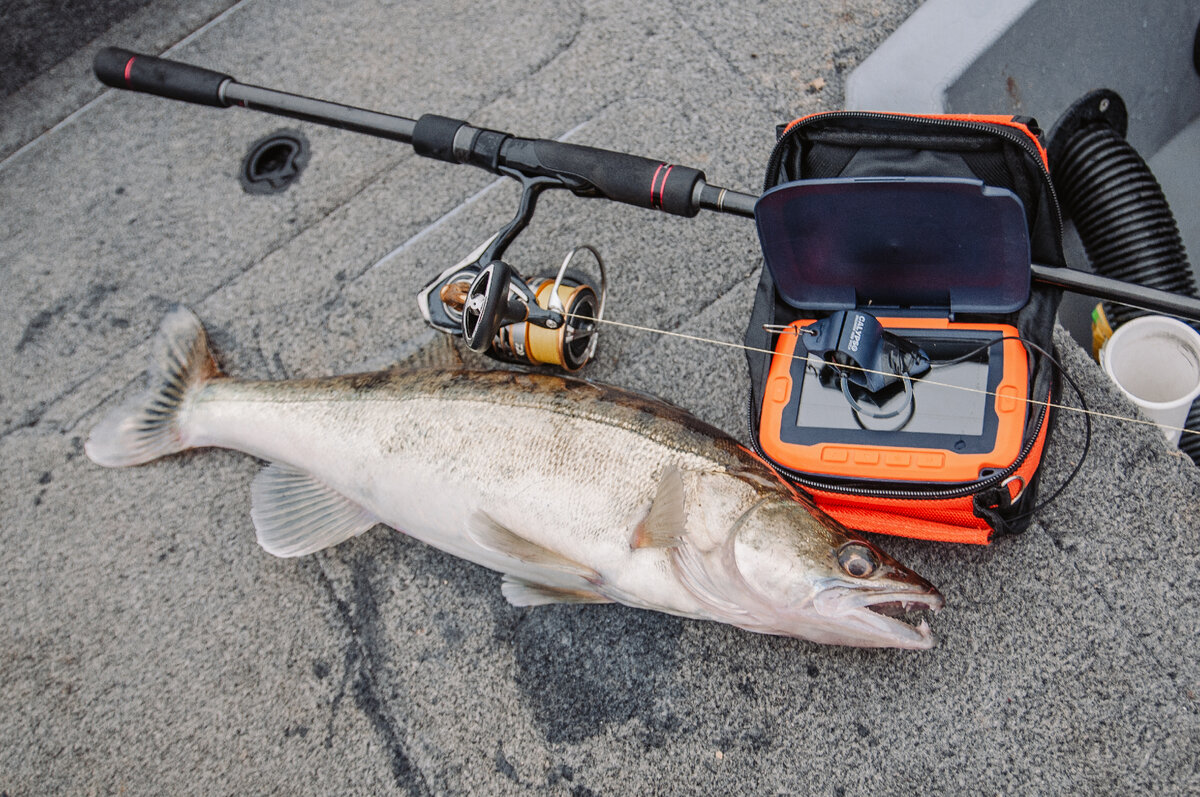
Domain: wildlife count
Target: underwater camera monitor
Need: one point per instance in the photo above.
(962, 418)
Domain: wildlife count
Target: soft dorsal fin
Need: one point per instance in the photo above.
(439, 354)
(665, 522)
(294, 514)
(520, 592)
(489, 533)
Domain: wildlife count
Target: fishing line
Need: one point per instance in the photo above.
(1036, 402)
(1087, 435)
(1083, 409)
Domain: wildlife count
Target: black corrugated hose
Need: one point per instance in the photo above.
(1125, 223)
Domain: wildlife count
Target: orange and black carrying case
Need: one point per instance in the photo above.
(914, 493)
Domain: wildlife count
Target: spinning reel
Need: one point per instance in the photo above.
(549, 320)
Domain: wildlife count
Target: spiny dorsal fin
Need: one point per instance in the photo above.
(520, 592)
(490, 534)
(294, 514)
(665, 523)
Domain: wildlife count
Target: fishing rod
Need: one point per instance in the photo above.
(483, 298)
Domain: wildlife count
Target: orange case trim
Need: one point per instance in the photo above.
(949, 520)
(990, 119)
(890, 462)
(938, 520)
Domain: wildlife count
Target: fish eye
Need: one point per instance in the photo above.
(857, 559)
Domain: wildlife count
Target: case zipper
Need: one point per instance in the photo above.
(875, 492)
(983, 127)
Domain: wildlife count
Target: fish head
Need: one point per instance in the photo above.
(803, 574)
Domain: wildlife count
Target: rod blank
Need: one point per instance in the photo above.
(588, 171)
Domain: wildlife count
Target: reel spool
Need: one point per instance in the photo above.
(546, 321)
(571, 345)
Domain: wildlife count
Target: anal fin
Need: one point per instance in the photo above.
(520, 592)
(295, 514)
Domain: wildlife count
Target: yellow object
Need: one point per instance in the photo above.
(1101, 330)
(545, 345)
(569, 346)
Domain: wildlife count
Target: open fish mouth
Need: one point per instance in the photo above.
(884, 616)
(900, 615)
(901, 607)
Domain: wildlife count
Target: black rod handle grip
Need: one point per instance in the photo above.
(631, 179)
(587, 171)
(124, 69)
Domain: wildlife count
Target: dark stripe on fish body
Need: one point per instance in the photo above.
(647, 415)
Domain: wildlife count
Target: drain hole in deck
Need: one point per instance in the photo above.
(274, 162)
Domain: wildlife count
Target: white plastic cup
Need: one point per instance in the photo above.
(1155, 361)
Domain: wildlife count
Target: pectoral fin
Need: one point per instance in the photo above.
(665, 522)
(494, 536)
(526, 593)
(295, 514)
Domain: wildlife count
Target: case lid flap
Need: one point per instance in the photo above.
(896, 242)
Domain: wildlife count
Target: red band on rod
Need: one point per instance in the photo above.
(653, 182)
(662, 188)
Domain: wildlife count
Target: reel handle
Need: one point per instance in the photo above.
(487, 306)
(124, 69)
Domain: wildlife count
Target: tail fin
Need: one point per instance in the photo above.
(148, 427)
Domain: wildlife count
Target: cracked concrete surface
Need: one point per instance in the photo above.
(150, 645)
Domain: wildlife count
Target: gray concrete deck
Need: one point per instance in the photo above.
(150, 646)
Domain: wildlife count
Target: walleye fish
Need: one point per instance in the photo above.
(575, 491)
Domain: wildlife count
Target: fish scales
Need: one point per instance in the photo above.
(423, 451)
(574, 491)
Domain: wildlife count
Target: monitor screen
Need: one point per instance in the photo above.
(949, 400)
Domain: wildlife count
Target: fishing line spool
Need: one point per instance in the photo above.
(497, 312)
(571, 345)
(549, 320)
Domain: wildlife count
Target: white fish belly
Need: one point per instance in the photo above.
(429, 466)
